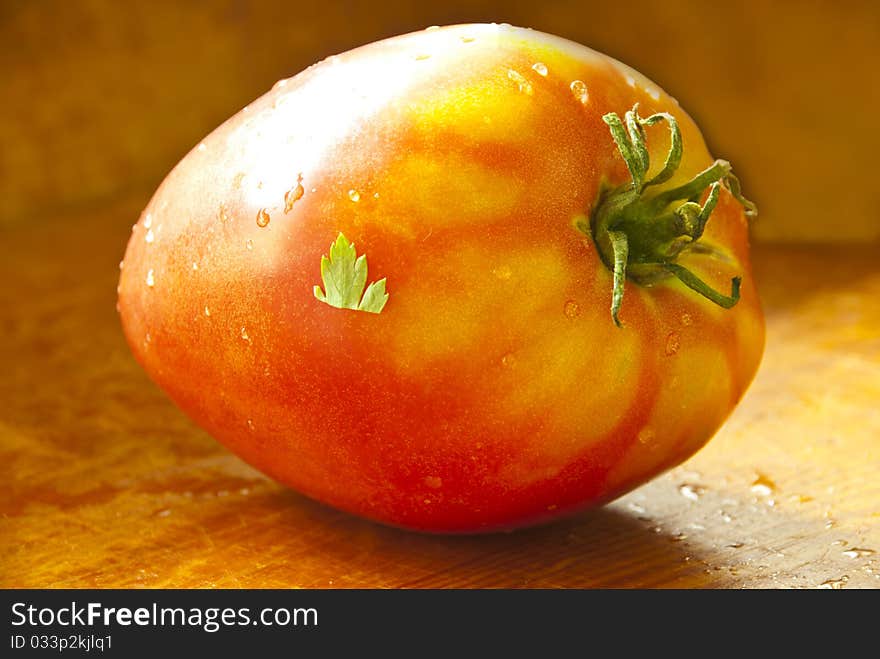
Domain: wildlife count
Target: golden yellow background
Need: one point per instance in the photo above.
(101, 99)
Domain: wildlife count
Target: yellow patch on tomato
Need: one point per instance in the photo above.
(431, 190)
(693, 399)
(572, 380)
(493, 104)
(466, 304)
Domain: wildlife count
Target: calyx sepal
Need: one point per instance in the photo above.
(640, 233)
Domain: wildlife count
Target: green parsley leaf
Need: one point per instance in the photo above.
(344, 275)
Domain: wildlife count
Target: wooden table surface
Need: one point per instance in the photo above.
(106, 484)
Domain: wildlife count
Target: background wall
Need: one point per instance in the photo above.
(100, 98)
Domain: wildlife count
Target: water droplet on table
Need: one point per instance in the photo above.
(834, 584)
(691, 491)
(763, 485)
(859, 552)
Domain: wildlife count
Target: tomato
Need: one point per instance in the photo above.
(388, 282)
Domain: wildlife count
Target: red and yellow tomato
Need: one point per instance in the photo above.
(493, 389)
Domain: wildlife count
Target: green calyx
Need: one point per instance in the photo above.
(641, 232)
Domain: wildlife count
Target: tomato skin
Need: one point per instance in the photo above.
(494, 390)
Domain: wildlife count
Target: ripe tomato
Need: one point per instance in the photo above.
(485, 181)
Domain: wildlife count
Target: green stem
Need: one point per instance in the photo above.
(693, 282)
(621, 252)
(640, 237)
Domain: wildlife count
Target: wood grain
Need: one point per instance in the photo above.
(106, 484)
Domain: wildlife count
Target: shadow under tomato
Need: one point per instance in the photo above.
(604, 547)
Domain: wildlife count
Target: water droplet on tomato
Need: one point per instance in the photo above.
(686, 319)
(524, 85)
(221, 213)
(201, 146)
(502, 272)
(763, 485)
(148, 338)
(433, 482)
(572, 309)
(121, 265)
(244, 335)
(834, 584)
(579, 89)
(508, 359)
(646, 435)
(150, 279)
(207, 311)
(673, 343)
(859, 552)
(250, 424)
(630, 80)
(249, 243)
(195, 266)
(149, 237)
(262, 218)
(691, 491)
(294, 194)
(354, 195)
(540, 68)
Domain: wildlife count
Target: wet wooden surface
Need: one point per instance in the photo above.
(106, 484)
